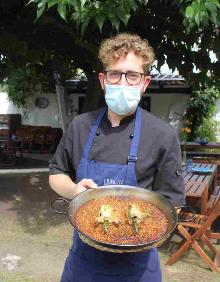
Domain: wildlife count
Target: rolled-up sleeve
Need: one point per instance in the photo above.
(168, 179)
(61, 162)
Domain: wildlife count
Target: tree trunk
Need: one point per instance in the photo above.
(61, 97)
(94, 93)
(94, 97)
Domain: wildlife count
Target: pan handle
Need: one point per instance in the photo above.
(58, 200)
(188, 209)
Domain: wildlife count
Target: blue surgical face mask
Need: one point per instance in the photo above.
(122, 99)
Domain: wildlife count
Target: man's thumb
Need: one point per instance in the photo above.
(90, 183)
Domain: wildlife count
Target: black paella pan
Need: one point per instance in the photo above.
(157, 200)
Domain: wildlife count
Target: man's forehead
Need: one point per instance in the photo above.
(130, 57)
(126, 55)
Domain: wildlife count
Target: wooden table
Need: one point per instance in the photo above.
(193, 149)
(197, 146)
(200, 186)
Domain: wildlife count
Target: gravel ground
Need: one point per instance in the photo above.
(34, 242)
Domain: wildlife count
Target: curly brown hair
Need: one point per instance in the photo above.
(111, 49)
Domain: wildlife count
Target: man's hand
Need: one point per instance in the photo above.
(85, 184)
(64, 186)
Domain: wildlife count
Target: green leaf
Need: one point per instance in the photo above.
(100, 21)
(114, 21)
(189, 12)
(51, 3)
(213, 17)
(204, 17)
(84, 25)
(132, 4)
(32, 1)
(83, 2)
(40, 8)
(189, 27)
(116, 24)
(75, 16)
(211, 7)
(218, 19)
(197, 18)
(61, 8)
(216, 2)
(76, 4)
(122, 15)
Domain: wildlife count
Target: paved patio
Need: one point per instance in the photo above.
(28, 163)
(34, 242)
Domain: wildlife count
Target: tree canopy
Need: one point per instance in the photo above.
(196, 13)
(63, 35)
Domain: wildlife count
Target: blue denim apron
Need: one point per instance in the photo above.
(87, 264)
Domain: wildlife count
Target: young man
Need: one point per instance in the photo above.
(98, 147)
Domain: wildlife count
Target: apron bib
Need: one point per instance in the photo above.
(87, 264)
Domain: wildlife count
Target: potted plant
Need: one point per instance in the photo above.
(207, 131)
(185, 130)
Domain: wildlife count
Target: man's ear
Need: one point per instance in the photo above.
(147, 80)
(101, 79)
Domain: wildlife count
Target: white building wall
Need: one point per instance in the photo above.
(217, 115)
(33, 115)
(6, 107)
(166, 105)
(163, 105)
(169, 107)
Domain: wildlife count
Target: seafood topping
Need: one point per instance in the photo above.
(135, 216)
(106, 217)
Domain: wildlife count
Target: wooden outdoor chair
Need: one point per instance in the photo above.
(28, 139)
(52, 139)
(197, 234)
(40, 136)
(8, 154)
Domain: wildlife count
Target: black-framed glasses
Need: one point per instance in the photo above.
(132, 77)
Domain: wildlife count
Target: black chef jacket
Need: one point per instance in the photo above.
(158, 167)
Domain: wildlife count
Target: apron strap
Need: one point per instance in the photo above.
(92, 133)
(132, 158)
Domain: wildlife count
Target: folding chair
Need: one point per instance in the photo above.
(197, 234)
